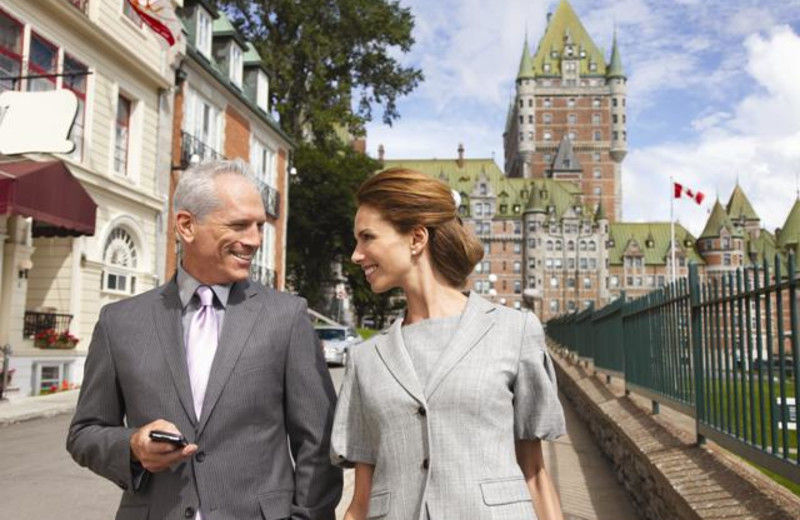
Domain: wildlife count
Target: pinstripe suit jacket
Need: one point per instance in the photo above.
(448, 448)
(268, 381)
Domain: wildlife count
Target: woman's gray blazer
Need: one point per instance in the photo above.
(450, 445)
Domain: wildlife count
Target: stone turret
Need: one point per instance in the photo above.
(616, 79)
(526, 109)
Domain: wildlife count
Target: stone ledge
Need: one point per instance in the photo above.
(668, 476)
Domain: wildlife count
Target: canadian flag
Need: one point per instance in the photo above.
(679, 190)
(159, 16)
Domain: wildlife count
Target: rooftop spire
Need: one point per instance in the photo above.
(525, 63)
(615, 65)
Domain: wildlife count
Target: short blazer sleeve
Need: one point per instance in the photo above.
(537, 410)
(351, 441)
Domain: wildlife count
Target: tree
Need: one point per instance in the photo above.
(322, 207)
(329, 60)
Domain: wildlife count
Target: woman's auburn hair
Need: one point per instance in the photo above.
(409, 199)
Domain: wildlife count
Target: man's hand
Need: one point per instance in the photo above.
(157, 456)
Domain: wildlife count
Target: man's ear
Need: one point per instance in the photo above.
(185, 226)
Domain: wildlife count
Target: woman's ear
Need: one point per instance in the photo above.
(419, 240)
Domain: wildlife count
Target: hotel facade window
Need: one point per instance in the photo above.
(121, 258)
(11, 32)
(42, 61)
(122, 135)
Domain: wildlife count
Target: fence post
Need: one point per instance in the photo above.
(697, 351)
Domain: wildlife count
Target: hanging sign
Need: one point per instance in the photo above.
(37, 122)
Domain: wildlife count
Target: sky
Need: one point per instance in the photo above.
(713, 94)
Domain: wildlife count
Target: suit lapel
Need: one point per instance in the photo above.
(392, 351)
(167, 317)
(240, 317)
(474, 324)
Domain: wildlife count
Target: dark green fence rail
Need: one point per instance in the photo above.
(724, 351)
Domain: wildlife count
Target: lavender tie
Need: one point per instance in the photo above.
(201, 345)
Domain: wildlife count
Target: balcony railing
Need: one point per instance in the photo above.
(263, 275)
(272, 200)
(82, 5)
(194, 150)
(36, 322)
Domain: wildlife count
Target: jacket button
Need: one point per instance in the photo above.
(422, 411)
(426, 464)
(188, 513)
(200, 457)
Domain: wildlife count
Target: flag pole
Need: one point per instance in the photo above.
(672, 225)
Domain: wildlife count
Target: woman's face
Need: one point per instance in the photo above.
(383, 253)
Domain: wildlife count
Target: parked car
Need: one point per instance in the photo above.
(336, 342)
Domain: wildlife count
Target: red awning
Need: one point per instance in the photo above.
(49, 193)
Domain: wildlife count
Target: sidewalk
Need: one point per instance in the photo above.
(584, 479)
(29, 408)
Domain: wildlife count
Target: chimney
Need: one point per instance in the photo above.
(460, 155)
(381, 152)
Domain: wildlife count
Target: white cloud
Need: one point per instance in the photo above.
(759, 144)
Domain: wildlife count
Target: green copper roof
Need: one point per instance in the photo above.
(600, 214)
(615, 66)
(525, 63)
(223, 27)
(565, 23)
(652, 239)
(739, 206)
(718, 220)
(513, 194)
(536, 203)
(790, 232)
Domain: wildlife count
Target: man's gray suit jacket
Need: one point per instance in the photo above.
(268, 382)
(448, 448)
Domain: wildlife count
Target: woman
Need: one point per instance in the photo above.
(441, 414)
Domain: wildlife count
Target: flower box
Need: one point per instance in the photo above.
(50, 339)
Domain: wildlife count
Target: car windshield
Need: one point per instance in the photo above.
(331, 334)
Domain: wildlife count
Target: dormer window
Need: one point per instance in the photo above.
(235, 64)
(203, 32)
(649, 244)
(262, 91)
(547, 67)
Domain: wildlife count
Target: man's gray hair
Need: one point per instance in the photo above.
(196, 191)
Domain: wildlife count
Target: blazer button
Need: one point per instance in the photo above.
(422, 411)
(200, 457)
(426, 464)
(188, 513)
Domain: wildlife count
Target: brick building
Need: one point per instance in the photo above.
(551, 222)
(222, 111)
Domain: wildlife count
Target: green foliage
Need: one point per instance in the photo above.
(329, 61)
(322, 207)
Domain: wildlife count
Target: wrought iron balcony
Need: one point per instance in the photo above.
(82, 5)
(36, 322)
(194, 150)
(272, 200)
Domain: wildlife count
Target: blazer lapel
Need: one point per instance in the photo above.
(393, 353)
(240, 317)
(474, 324)
(167, 317)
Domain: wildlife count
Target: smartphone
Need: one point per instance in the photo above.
(172, 438)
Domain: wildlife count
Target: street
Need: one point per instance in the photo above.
(39, 479)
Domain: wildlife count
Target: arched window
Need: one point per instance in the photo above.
(592, 246)
(570, 246)
(558, 245)
(121, 259)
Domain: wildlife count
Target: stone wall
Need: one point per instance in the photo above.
(668, 476)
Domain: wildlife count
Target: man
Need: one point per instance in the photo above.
(230, 365)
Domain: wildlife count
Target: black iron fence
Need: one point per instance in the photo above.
(724, 351)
